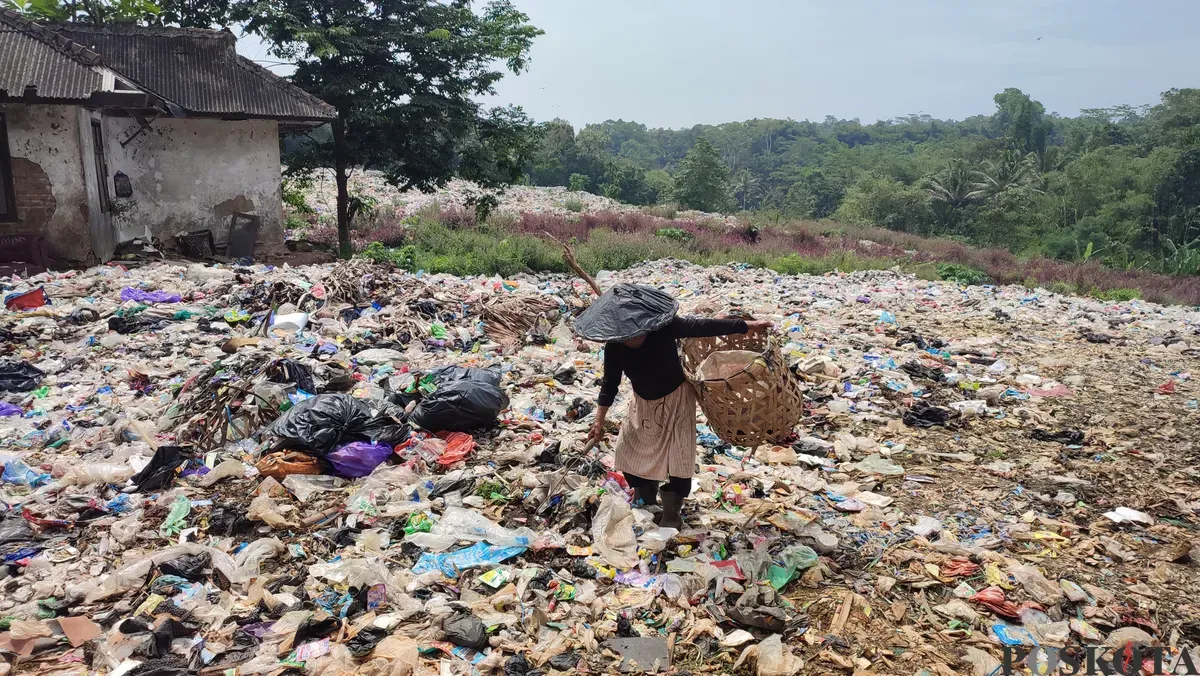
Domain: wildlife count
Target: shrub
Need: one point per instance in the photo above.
(1118, 295)
(578, 183)
(295, 189)
(573, 204)
(677, 234)
(961, 274)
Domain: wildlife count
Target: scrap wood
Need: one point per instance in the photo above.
(569, 257)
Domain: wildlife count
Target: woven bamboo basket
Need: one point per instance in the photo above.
(759, 404)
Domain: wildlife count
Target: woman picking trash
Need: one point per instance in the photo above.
(639, 327)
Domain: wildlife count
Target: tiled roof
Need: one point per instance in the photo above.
(198, 70)
(32, 56)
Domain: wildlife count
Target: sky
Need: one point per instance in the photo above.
(677, 63)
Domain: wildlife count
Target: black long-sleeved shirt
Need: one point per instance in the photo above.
(654, 369)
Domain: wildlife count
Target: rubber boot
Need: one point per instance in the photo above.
(672, 514)
(648, 496)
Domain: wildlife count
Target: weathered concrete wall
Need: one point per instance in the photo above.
(192, 174)
(48, 180)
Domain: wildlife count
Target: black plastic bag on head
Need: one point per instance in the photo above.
(326, 421)
(624, 312)
(160, 473)
(19, 376)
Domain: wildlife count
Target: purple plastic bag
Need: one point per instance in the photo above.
(358, 458)
(7, 409)
(143, 296)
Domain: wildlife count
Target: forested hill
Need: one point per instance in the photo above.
(1117, 184)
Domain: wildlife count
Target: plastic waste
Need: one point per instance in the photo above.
(16, 376)
(17, 472)
(326, 421)
(466, 630)
(82, 475)
(467, 524)
(227, 469)
(776, 659)
(612, 533)
(876, 464)
(1042, 590)
(180, 508)
(142, 296)
(451, 564)
(460, 405)
(792, 560)
(306, 486)
(358, 458)
(289, 323)
(160, 472)
(724, 364)
(7, 409)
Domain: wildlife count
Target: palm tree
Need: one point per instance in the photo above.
(744, 183)
(1011, 169)
(953, 186)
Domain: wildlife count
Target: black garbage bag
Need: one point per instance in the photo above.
(161, 471)
(15, 529)
(919, 370)
(564, 661)
(625, 629)
(136, 324)
(460, 405)
(923, 414)
(326, 421)
(292, 371)
(624, 312)
(191, 567)
(466, 630)
(19, 376)
(312, 629)
(517, 665)
(1064, 436)
(365, 641)
(448, 374)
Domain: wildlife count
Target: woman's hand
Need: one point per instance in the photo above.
(758, 326)
(596, 433)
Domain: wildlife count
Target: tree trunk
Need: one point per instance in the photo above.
(341, 174)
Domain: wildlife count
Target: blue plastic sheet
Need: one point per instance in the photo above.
(475, 556)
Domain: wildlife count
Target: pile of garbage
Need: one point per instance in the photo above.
(457, 194)
(355, 469)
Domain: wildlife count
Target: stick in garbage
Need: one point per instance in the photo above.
(569, 257)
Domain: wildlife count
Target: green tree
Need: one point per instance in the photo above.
(884, 201)
(406, 77)
(625, 181)
(702, 181)
(745, 186)
(661, 184)
(96, 12)
(1010, 169)
(579, 183)
(1022, 120)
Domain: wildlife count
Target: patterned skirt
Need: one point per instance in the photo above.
(658, 438)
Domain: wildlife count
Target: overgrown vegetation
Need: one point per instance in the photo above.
(449, 240)
(1118, 186)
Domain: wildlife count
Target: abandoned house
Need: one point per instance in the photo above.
(111, 133)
